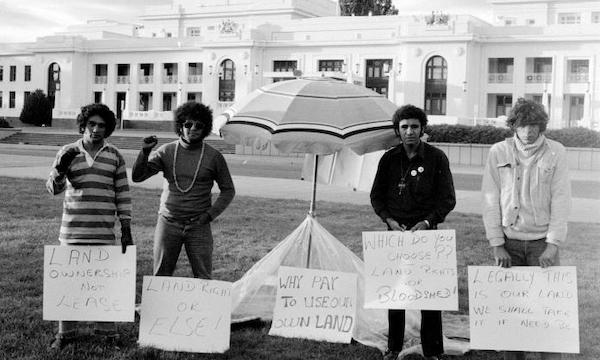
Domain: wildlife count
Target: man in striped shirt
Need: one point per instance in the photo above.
(92, 174)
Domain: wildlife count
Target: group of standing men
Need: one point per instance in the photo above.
(526, 197)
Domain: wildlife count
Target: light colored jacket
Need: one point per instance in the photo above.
(551, 194)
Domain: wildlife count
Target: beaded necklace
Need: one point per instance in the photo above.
(195, 174)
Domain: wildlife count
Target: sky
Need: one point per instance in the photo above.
(24, 21)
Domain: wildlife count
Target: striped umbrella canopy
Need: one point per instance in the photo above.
(312, 115)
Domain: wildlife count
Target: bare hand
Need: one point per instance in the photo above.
(421, 225)
(502, 256)
(149, 143)
(549, 255)
(393, 224)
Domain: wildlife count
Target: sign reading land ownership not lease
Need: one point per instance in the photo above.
(315, 304)
(524, 308)
(185, 314)
(410, 270)
(89, 283)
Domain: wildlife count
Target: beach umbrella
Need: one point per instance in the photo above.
(319, 116)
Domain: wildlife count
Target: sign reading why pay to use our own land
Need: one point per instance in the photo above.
(524, 308)
(89, 283)
(185, 314)
(410, 270)
(315, 304)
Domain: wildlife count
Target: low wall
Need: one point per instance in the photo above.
(463, 154)
(6, 132)
(148, 125)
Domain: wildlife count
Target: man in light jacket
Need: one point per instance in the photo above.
(526, 195)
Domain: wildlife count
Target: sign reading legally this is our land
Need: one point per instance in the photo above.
(410, 270)
(89, 283)
(524, 308)
(185, 314)
(315, 304)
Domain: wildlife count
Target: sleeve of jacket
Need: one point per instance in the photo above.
(560, 201)
(490, 191)
(122, 193)
(57, 182)
(444, 185)
(379, 188)
(146, 165)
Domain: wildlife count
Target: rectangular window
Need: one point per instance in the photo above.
(11, 99)
(122, 73)
(13, 73)
(1, 99)
(284, 66)
(578, 71)
(596, 17)
(100, 73)
(194, 96)
(331, 65)
(193, 31)
(435, 103)
(146, 73)
(98, 97)
(169, 100)
(27, 73)
(569, 18)
(503, 105)
(145, 101)
(1, 73)
(26, 95)
(195, 73)
(500, 70)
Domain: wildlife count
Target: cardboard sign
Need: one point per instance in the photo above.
(315, 304)
(410, 270)
(524, 308)
(185, 314)
(89, 283)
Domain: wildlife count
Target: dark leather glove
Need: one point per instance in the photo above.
(66, 159)
(126, 238)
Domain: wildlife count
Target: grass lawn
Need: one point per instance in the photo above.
(30, 219)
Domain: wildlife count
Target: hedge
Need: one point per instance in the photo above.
(487, 134)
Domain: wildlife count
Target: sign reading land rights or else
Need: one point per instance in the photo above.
(315, 304)
(524, 308)
(185, 314)
(89, 283)
(410, 270)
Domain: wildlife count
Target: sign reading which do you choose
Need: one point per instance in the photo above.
(315, 304)
(410, 270)
(89, 283)
(185, 314)
(524, 308)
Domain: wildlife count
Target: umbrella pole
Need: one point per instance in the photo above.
(311, 211)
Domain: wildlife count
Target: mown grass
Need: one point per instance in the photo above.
(30, 218)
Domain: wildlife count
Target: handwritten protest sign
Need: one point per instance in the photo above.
(185, 314)
(315, 304)
(410, 270)
(524, 308)
(89, 283)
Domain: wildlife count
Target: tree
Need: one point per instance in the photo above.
(364, 7)
(37, 109)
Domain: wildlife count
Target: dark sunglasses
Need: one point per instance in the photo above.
(189, 123)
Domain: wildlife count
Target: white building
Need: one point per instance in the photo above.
(461, 69)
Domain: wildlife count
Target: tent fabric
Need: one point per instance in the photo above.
(254, 294)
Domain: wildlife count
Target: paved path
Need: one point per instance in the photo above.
(37, 167)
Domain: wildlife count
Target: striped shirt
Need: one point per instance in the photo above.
(96, 192)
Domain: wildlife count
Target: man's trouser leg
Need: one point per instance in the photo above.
(432, 339)
(198, 242)
(396, 321)
(168, 238)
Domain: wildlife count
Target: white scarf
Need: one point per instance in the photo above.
(528, 150)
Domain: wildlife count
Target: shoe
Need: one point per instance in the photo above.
(391, 355)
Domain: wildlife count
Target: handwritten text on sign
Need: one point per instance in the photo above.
(315, 304)
(410, 270)
(185, 314)
(89, 283)
(524, 308)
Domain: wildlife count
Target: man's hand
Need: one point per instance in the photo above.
(421, 225)
(149, 143)
(204, 218)
(549, 255)
(501, 256)
(66, 159)
(393, 224)
(126, 238)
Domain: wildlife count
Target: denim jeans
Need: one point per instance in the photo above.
(197, 239)
(527, 253)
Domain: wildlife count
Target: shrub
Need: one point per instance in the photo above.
(487, 134)
(4, 123)
(37, 109)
